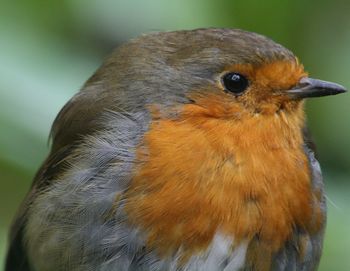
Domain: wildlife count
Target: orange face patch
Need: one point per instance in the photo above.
(268, 84)
(266, 93)
(277, 75)
(199, 175)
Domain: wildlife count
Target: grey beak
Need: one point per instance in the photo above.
(309, 87)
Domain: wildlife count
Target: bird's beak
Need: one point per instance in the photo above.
(309, 87)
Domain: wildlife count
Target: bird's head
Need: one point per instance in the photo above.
(229, 73)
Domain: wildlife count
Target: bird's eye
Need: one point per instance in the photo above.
(235, 82)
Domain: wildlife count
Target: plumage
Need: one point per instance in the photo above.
(154, 166)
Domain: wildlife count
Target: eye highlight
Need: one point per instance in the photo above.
(235, 82)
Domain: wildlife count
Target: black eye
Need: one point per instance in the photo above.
(235, 82)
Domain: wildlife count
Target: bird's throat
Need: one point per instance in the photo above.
(199, 176)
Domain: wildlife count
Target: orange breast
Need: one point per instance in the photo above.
(197, 176)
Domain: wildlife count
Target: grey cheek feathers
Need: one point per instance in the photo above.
(65, 224)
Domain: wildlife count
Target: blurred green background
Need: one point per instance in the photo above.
(49, 48)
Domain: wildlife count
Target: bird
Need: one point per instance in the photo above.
(186, 150)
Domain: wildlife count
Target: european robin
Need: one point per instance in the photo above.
(186, 150)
